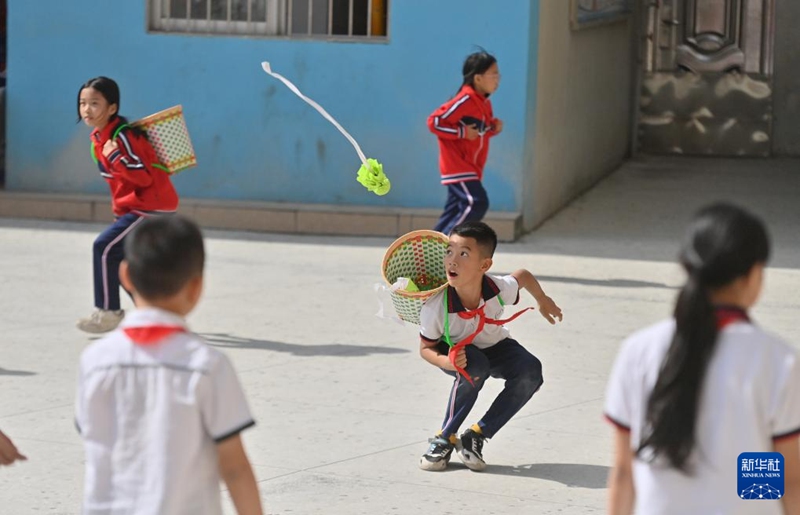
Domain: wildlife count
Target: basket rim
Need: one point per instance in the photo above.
(419, 295)
(165, 113)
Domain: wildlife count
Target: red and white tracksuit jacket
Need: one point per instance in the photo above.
(136, 186)
(460, 159)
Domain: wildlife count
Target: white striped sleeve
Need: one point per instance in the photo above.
(129, 157)
(456, 130)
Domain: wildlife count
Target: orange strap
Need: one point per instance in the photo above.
(482, 321)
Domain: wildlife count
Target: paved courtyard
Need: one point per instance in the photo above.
(344, 405)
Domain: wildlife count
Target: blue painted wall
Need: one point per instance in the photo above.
(255, 140)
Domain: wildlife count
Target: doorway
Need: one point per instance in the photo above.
(707, 82)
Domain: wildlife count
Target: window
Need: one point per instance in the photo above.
(349, 19)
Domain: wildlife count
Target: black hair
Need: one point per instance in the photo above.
(110, 91)
(722, 244)
(476, 64)
(106, 87)
(483, 235)
(163, 254)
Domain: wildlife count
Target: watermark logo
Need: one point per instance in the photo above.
(761, 475)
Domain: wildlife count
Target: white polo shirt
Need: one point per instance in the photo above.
(751, 396)
(496, 292)
(150, 416)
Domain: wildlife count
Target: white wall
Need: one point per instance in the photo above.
(582, 109)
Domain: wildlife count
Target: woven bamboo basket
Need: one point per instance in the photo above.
(169, 136)
(419, 256)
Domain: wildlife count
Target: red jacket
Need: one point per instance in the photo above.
(136, 186)
(460, 159)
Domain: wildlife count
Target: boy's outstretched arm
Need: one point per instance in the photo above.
(549, 310)
(235, 469)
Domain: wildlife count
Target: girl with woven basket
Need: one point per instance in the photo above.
(139, 188)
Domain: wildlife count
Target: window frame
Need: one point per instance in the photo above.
(277, 26)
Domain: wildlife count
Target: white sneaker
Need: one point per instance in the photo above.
(438, 455)
(471, 452)
(101, 321)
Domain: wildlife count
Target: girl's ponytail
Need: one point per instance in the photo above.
(673, 404)
(724, 242)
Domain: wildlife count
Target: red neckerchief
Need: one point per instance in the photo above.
(727, 315)
(482, 320)
(151, 334)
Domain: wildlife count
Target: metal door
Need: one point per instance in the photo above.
(706, 83)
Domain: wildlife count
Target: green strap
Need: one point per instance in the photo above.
(447, 317)
(447, 320)
(114, 137)
(119, 129)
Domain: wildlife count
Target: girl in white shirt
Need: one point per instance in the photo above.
(689, 394)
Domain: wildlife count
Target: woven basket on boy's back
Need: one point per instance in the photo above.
(418, 256)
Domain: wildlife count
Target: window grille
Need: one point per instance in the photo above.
(348, 19)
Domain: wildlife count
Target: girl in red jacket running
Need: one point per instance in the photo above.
(139, 188)
(464, 126)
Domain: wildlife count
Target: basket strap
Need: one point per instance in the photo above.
(119, 129)
(447, 321)
(114, 137)
(125, 126)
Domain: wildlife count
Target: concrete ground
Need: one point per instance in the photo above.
(343, 402)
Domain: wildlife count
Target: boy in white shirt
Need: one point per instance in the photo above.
(159, 410)
(462, 334)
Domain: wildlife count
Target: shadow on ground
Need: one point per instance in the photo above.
(22, 373)
(608, 283)
(228, 341)
(569, 474)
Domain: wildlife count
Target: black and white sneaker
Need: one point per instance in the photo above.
(471, 452)
(438, 454)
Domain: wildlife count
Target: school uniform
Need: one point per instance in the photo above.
(461, 161)
(138, 189)
(750, 399)
(153, 402)
(492, 353)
